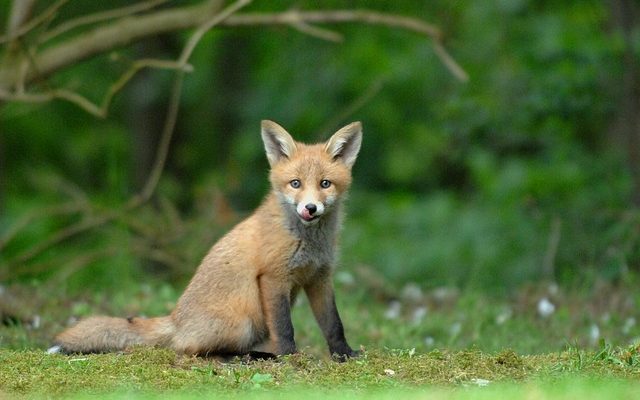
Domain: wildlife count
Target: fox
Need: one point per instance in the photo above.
(239, 300)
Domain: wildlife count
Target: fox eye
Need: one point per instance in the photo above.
(295, 183)
(325, 183)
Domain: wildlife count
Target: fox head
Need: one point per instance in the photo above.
(310, 179)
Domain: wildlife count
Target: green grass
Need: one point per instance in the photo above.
(420, 343)
(145, 371)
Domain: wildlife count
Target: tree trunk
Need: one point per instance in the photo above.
(627, 124)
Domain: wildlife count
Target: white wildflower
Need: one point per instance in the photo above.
(503, 316)
(545, 307)
(455, 329)
(411, 292)
(418, 315)
(629, 323)
(594, 333)
(393, 310)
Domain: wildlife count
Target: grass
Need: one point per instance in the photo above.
(144, 372)
(468, 355)
(421, 343)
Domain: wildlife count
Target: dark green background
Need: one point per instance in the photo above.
(519, 175)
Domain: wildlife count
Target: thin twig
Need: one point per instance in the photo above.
(26, 28)
(99, 17)
(294, 18)
(176, 92)
(449, 62)
(135, 68)
(352, 108)
(320, 33)
(206, 27)
(335, 16)
(77, 99)
(30, 217)
(60, 236)
(61, 94)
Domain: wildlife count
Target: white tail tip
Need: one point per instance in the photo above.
(54, 349)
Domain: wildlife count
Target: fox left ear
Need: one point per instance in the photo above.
(344, 145)
(278, 144)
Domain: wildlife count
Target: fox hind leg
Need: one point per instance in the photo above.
(209, 336)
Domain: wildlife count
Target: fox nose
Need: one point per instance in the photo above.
(311, 208)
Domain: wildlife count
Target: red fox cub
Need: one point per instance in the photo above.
(239, 300)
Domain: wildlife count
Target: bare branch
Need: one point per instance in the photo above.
(335, 16)
(294, 18)
(320, 33)
(60, 94)
(75, 98)
(172, 113)
(107, 38)
(161, 155)
(130, 29)
(16, 33)
(449, 62)
(99, 17)
(137, 66)
(18, 15)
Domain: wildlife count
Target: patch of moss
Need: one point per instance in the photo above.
(149, 370)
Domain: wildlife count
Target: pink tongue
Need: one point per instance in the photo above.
(306, 215)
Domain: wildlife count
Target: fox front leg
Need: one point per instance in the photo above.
(276, 305)
(323, 304)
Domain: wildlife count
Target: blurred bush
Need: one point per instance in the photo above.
(512, 177)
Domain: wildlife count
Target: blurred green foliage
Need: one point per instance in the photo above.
(465, 184)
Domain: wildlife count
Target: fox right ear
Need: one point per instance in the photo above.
(344, 145)
(277, 142)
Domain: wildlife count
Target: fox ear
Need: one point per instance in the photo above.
(277, 142)
(345, 144)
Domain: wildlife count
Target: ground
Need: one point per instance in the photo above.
(541, 341)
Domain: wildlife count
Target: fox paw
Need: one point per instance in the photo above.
(344, 356)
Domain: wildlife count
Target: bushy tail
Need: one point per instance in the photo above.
(107, 334)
